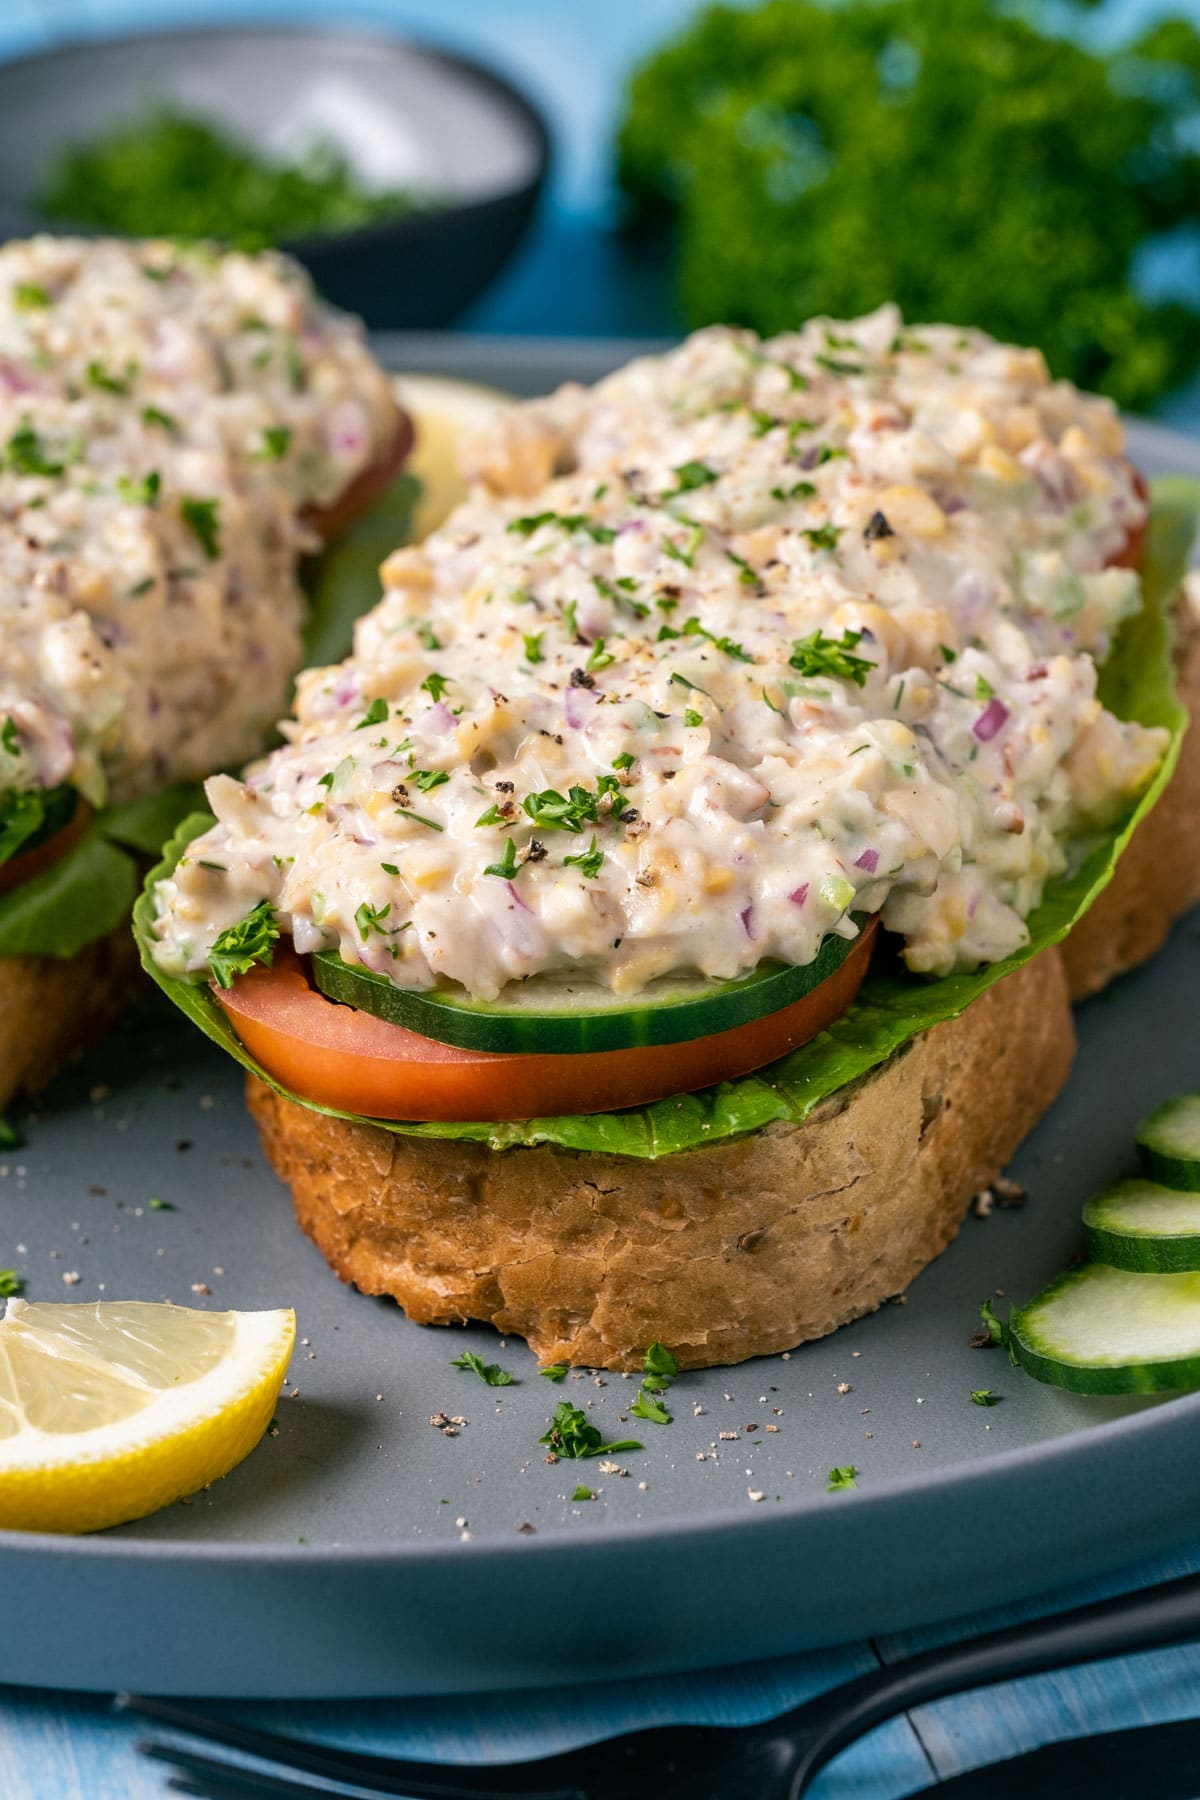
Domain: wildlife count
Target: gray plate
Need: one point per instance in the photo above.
(360, 1551)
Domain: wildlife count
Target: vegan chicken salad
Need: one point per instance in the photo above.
(741, 649)
(172, 422)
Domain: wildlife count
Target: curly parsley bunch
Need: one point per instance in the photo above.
(942, 153)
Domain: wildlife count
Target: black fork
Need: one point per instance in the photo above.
(773, 1761)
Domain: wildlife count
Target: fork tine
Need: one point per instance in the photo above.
(214, 1780)
(236, 1778)
(387, 1775)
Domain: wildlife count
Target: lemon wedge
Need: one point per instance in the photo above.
(442, 411)
(111, 1411)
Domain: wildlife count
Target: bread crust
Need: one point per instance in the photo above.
(51, 1007)
(1158, 878)
(729, 1251)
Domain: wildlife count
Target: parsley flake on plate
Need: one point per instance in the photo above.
(492, 1373)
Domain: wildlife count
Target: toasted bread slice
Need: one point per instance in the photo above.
(52, 1007)
(733, 1250)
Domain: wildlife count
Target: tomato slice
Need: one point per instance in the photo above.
(354, 1062)
(28, 863)
(333, 520)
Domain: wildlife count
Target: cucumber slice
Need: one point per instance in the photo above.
(1169, 1143)
(1142, 1226)
(1098, 1330)
(577, 1018)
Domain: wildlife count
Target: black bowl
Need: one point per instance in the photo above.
(403, 113)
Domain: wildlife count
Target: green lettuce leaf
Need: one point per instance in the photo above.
(343, 582)
(81, 898)
(893, 1006)
(89, 893)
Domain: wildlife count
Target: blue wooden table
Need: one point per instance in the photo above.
(63, 1747)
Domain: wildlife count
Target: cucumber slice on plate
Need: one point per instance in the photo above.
(1098, 1330)
(561, 1017)
(1143, 1226)
(1169, 1143)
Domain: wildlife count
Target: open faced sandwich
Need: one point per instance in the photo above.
(177, 428)
(650, 931)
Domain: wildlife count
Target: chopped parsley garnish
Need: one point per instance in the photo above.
(692, 718)
(844, 1477)
(555, 1371)
(690, 476)
(142, 492)
(647, 1406)
(983, 688)
(984, 1397)
(532, 641)
(659, 1362)
(837, 365)
(428, 636)
(376, 714)
(531, 522)
(435, 686)
(571, 812)
(589, 862)
(817, 654)
(370, 918)
(390, 868)
(276, 441)
(508, 868)
(822, 537)
(108, 383)
(493, 816)
(492, 1373)
(621, 594)
(746, 575)
(237, 948)
(11, 1284)
(763, 422)
(624, 761)
(659, 1369)
(571, 1436)
(684, 553)
(154, 415)
(202, 518)
(799, 490)
(948, 655)
(30, 454)
(600, 658)
(426, 779)
(27, 296)
(693, 628)
(678, 680)
(8, 737)
(582, 1493)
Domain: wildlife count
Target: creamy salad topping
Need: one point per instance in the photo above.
(744, 641)
(167, 418)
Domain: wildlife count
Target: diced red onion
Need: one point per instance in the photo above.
(578, 705)
(869, 860)
(799, 895)
(439, 718)
(992, 719)
(747, 917)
